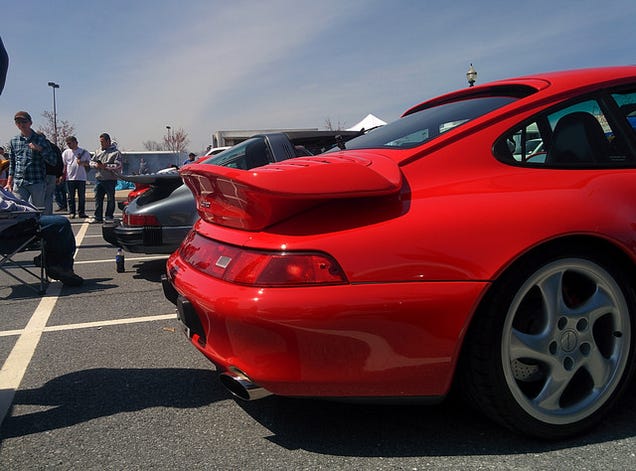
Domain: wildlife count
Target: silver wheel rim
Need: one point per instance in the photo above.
(566, 339)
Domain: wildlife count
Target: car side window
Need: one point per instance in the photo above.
(526, 144)
(576, 136)
(627, 104)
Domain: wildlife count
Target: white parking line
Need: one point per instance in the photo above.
(128, 259)
(20, 357)
(88, 325)
(18, 360)
(81, 234)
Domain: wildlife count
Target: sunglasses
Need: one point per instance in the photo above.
(21, 120)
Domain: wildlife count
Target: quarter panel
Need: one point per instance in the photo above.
(360, 340)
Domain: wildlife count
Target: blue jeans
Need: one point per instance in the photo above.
(49, 191)
(59, 241)
(60, 196)
(104, 188)
(80, 187)
(34, 193)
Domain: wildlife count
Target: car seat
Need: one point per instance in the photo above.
(578, 140)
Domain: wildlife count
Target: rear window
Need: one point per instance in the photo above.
(246, 155)
(420, 127)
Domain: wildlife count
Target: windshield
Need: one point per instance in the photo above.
(246, 155)
(422, 126)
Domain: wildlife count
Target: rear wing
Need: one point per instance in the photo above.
(257, 198)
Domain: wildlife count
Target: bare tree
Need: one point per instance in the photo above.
(153, 145)
(330, 126)
(64, 129)
(176, 140)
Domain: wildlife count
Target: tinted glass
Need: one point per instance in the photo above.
(246, 155)
(579, 135)
(421, 127)
(627, 104)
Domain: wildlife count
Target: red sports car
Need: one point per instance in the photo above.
(487, 239)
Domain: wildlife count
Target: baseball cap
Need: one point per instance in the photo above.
(23, 115)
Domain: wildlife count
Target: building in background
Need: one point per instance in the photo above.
(233, 137)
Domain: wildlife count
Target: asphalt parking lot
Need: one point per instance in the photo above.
(101, 377)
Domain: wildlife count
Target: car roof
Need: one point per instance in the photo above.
(539, 85)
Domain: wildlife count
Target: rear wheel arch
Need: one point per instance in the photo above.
(594, 246)
(485, 340)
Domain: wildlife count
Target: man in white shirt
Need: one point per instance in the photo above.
(76, 161)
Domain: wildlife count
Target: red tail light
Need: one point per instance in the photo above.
(260, 268)
(140, 220)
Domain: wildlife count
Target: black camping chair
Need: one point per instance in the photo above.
(20, 232)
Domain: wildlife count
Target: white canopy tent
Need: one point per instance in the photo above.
(370, 121)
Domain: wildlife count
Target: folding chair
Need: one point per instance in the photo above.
(20, 232)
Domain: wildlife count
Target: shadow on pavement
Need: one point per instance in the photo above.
(318, 426)
(447, 429)
(18, 291)
(90, 285)
(150, 270)
(84, 395)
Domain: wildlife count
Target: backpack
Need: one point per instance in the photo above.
(58, 168)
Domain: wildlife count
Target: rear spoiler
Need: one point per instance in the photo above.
(171, 177)
(257, 198)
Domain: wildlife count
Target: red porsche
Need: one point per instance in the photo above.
(486, 239)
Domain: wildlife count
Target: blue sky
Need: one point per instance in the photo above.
(133, 67)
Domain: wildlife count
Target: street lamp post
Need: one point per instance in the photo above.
(471, 76)
(54, 85)
(169, 141)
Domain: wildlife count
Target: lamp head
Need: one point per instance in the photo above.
(471, 76)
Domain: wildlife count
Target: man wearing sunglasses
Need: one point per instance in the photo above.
(28, 153)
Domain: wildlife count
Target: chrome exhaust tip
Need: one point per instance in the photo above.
(241, 386)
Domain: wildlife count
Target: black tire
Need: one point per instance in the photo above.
(551, 350)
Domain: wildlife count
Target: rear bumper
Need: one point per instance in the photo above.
(368, 340)
(150, 240)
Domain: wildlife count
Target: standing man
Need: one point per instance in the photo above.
(190, 159)
(28, 154)
(54, 176)
(76, 160)
(107, 162)
(61, 191)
